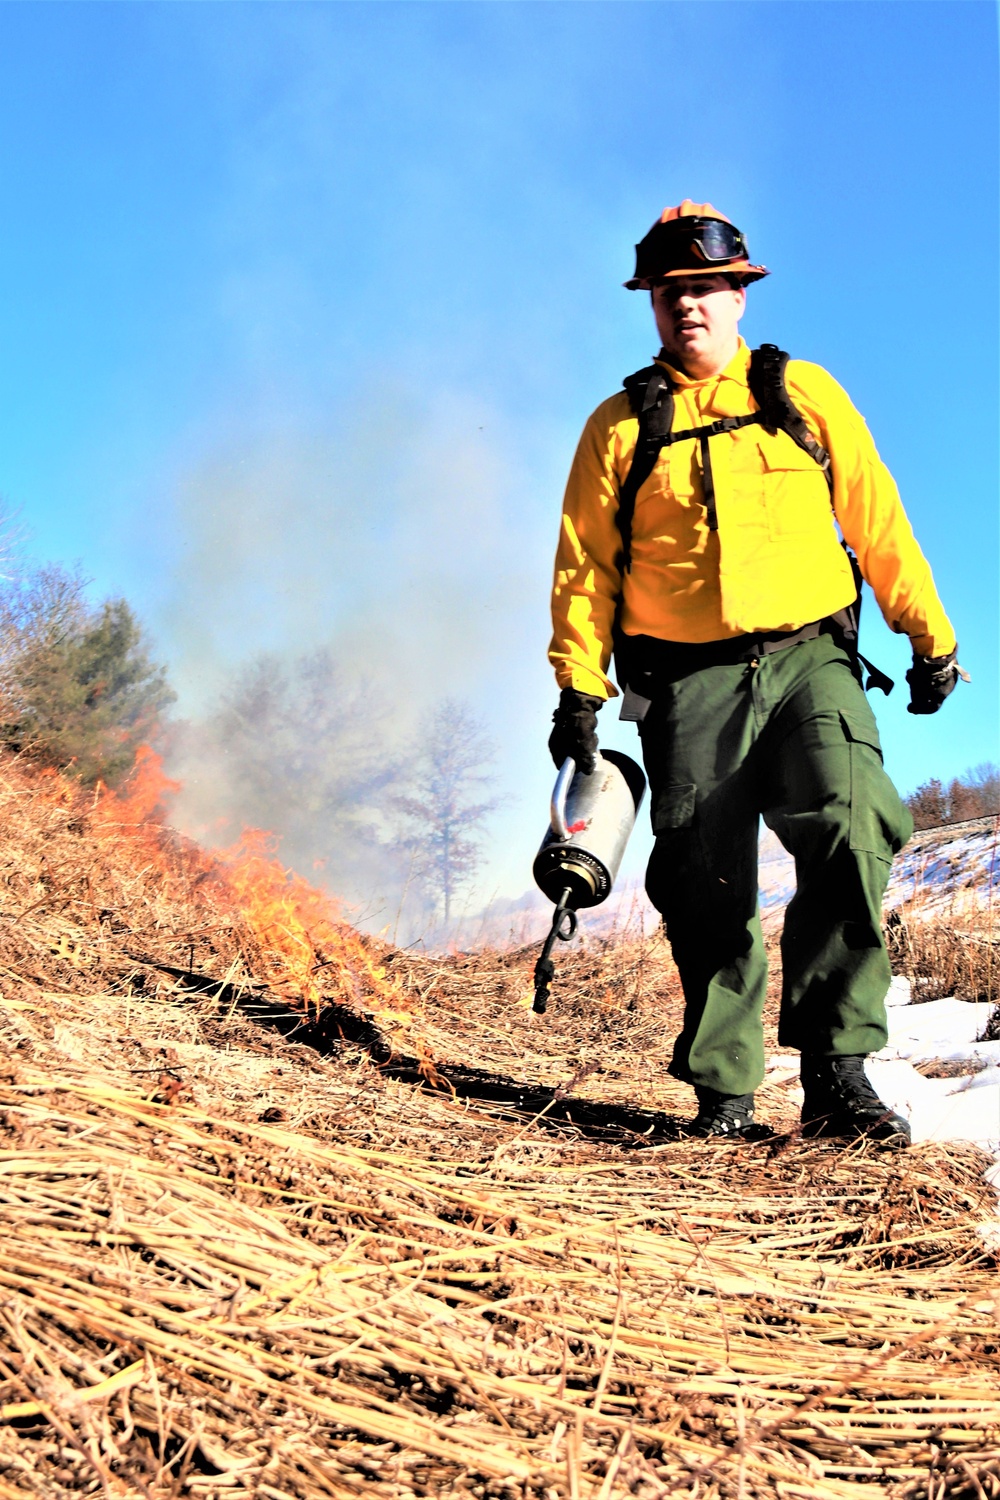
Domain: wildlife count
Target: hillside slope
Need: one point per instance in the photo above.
(396, 1239)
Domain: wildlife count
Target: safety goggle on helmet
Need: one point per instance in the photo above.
(688, 239)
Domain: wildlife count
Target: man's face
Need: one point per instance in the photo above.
(697, 318)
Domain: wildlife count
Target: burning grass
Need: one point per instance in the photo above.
(234, 1263)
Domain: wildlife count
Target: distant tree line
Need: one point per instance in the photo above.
(296, 747)
(974, 794)
(304, 748)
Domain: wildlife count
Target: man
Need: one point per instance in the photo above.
(699, 540)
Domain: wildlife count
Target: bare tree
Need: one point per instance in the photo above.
(928, 804)
(298, 747)
(981, 790)
(444, 814)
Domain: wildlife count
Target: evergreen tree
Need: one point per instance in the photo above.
(77, 687)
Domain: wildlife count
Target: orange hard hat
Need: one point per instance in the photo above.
(693, 239)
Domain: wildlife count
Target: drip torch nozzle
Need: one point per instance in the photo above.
(563, 927)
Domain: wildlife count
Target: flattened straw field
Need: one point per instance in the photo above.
(236, 1264)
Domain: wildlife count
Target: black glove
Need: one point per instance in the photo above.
(931, 679)
(575, 732)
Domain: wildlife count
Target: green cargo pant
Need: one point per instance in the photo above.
(791, 738)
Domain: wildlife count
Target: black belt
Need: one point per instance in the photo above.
(748, 647)
(650, 654)
(643, 660)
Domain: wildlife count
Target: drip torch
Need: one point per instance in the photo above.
(590, 820)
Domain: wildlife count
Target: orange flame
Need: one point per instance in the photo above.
(309, 952)
(144, 795)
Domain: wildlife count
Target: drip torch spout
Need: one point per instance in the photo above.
(563, 927)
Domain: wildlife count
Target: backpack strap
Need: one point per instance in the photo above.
(766, 379)
(651, 397)
(778, 412)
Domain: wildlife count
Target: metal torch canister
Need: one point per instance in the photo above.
(591, 818)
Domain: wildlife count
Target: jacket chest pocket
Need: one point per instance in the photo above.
(669, 497)
(795, 493)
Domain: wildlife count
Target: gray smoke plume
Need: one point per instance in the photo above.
(297, 749)
(333, 587)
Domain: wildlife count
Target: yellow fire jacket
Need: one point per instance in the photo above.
(775, 562)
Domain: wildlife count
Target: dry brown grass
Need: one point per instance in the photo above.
(233, 1265)
(956, 953)
(942, 930)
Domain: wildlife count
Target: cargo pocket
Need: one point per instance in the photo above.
(880, 824)
(672, 808)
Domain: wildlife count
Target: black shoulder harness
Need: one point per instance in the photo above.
(650, 393)
(766, 379)
(651, 396)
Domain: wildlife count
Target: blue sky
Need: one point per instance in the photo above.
(306, 305)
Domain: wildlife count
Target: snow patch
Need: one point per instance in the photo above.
(943, 1029)
(961, 1108)
(965, 1107)
(900, 991)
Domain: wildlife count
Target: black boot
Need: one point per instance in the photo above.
(723, 1114)
(839, 1101)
